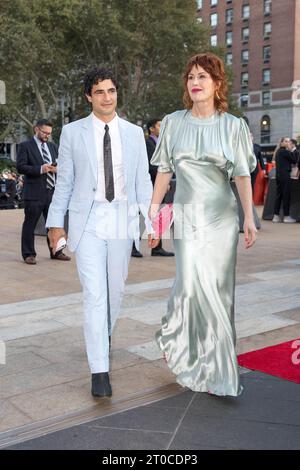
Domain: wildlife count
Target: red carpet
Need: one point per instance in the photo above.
(281, 360)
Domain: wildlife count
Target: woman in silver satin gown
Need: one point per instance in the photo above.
(205, 146)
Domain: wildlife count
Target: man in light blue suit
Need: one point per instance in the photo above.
(103, 181)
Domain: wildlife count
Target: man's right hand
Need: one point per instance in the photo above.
(54, 235)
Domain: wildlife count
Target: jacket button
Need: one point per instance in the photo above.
(94, 189)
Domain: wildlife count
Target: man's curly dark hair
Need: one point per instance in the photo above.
(95, 75)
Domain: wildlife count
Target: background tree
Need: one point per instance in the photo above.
(46, 47)
(31, 60)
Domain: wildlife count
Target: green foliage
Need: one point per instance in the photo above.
(6, 164)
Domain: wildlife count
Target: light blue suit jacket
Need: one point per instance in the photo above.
(77, 178)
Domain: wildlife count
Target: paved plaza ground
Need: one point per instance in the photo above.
(45, 400)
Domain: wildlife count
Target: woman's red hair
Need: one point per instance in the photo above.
(213, 65)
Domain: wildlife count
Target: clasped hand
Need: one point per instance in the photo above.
(152, 241)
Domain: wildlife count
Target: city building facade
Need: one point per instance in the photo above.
(262, 42)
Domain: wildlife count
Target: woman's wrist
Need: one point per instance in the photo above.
(248, 218)
(154, 205)
(153, 210)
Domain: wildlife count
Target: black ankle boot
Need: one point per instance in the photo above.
(100, 385)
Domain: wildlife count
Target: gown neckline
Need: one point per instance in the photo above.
(200, 121)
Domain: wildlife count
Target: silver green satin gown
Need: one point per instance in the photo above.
(198, 333)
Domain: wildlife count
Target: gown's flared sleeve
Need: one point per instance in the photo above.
(244, 159)
(162, 156)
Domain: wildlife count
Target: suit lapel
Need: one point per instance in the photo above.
(89, 142)
(153, 141)
(125, 142)
(52, 151)
(35, 151)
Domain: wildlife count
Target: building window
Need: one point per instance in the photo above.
(214, 19)
(245, 12)
(267, 7)
(244, 79)
(229, 16)
(213, 40)
(266, 98)
(229, 58)
(266, 78)
(245, 34)
(244, 100)
(245, 56)
(229, 38)
(199, 4)
(267, 53)
(213, 3)
(267, 29)
(265, 129)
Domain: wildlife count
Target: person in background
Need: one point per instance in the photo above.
(36, 160)
(11, 190)
(295, 153)
(20, 186)
(259, 159)
(5, 191)
(284, 160)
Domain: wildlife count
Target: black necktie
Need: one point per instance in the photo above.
(108, 166)
(50, 182)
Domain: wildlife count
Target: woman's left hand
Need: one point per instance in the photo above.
(250, 232)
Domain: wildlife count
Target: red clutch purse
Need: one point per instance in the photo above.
(163, 220)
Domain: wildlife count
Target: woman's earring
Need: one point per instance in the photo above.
(217, 95)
